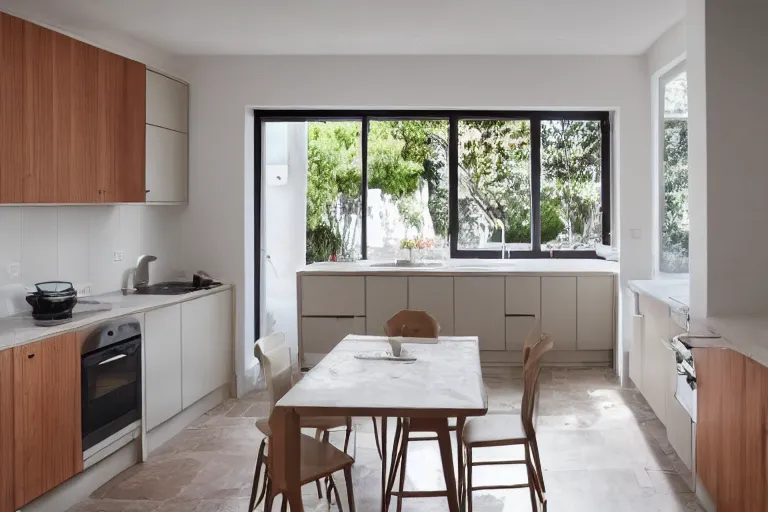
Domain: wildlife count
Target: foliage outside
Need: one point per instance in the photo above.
(676, 223)
(408, 185)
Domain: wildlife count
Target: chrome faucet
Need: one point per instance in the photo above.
(141, 275)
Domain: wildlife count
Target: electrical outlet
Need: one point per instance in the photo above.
(118, 256)
(83, 290)
(14, 270)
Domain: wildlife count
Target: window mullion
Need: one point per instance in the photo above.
(453, 184)
(364, 186)
(536, 183)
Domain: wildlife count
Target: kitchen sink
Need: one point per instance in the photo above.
(169, 288)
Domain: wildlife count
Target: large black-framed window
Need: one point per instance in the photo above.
(554, 167)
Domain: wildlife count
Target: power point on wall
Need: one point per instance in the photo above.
(14, 270)
(636, 233)
(117, 256)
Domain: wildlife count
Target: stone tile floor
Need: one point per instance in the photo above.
(602, 449)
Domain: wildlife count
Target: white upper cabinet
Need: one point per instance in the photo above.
(435, 296)
(479, 310)
(595, 297)
(167, 167)
(558, 311)
(167, 102)
(167, 151)
(384, 296)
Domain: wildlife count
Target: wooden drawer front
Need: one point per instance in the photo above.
(517, 329)
(595, 309)
(558, 311)
(320, 334)
(384, 296)
(332, 296)
(435, 296)
(523, 295)
(7, 503)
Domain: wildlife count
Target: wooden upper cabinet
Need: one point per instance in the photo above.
(72, 119)
(11, 109)
(7, 502)
(39, 162)
(48, 437)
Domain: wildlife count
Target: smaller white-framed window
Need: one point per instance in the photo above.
(672, 158)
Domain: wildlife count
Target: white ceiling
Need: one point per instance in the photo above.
(369, 27)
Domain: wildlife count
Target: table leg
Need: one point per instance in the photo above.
(285, 456)
(384, 474)
(446, 454)
(460, 450)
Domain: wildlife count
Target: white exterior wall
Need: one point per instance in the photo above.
(217, 224)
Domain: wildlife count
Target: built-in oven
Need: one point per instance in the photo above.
(111, 380)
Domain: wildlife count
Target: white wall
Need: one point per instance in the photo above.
(224, 89)
(76, 243)
(728, 51)
(668, 49)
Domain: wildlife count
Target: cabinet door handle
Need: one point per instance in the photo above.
(30, 356)
(146, 191)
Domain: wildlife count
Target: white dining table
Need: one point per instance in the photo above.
(444, 381)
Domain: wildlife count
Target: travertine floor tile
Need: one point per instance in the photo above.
(602, 449)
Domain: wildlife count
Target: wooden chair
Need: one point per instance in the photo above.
(496, 430)
(275, 360)
(413, 323)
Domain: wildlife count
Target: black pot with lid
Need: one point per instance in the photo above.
(52, 300)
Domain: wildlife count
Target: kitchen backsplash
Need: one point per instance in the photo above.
(79, 243)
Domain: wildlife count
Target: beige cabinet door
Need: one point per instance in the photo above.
(655, 356)
(517, 329)
(558, 311)
(166, 166)
(636, 351)
(320, 334)
(332, 296)
(523, 295)
(595, 313)
(435, 296)
(384, 296)
(162, 346)
(479, 310)
(167, 102)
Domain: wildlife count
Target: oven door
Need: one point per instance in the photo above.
(111, 390)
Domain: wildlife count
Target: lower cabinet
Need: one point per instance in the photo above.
(435, 296)
(595, 313)
(558, 311)
(46, 409)
(7, 502)
(517, 329)
(384, 296)
(206, 346)
(162, 353)
(732, 429)
(320, 334)
(655, 363)
(479, 310)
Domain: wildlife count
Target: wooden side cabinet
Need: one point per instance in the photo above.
(46, 406)
(7, 501)
(732, 429)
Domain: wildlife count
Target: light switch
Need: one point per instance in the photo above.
(636, 233)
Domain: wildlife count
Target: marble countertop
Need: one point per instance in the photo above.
(745, 334)
(673, 292)
(468, 266)
(19, 329)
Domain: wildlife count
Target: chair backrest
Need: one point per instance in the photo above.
(414, 323)
(275, 360)
(534, 336)
(531, 372)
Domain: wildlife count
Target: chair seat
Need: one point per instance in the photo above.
(319, 459)
(318, 422)
(494, 430)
